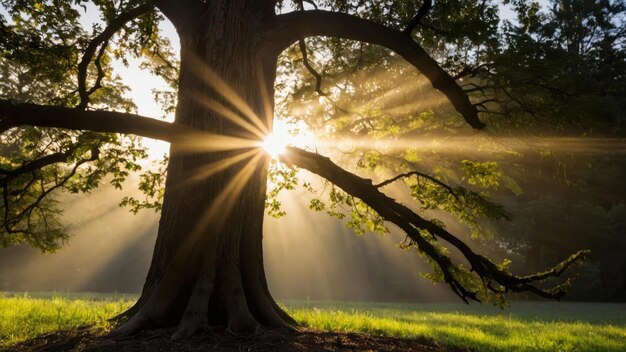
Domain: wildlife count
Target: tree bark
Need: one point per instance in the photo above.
(207, 265)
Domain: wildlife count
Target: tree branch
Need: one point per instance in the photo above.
(307, 64)
(495, 278)
(471, 71)
(184, 14)
(13, 115)
(305, 56)
(95, 154)
(415, 21)
(312, 3)
(291, 27)
(36, 164)
(419, 174)
(187, 139)
(102, 39)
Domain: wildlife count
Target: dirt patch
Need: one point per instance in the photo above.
(304, 340)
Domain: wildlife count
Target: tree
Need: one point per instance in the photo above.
(207, 266)
(562, 64)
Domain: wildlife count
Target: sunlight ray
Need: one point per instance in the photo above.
(206, 171)
(481, 144)
(398, 92)
(418, 105)
(225, 201)
(223, 88)
(616, 146)
(229, 114)
(208, 142)
(379, 75)
(268, 110)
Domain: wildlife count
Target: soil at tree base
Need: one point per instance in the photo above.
(303, 340)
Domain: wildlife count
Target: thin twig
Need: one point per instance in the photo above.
(420, 174)
(307, 64)
(101, 40)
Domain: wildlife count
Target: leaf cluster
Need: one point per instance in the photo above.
(41, 46)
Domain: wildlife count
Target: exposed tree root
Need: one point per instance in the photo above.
(87, 340)
(220, 295)
(196, 313)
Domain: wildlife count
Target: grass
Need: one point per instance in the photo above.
(25, 316)
(526, 326)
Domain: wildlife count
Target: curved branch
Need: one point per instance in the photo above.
(496, 279)
(36, 164)
(185, 15)
(101, 39)
(419, 174)
(291, 27)
(307, 64)
(187, 139)
(100, 76)
(415, 21)
(305, 56)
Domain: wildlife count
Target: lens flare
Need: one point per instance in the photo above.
(286, 134)
(275, 144)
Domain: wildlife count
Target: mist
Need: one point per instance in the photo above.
(308, 255)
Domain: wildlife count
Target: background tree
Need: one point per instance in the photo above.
(560, 73)
(207, 266)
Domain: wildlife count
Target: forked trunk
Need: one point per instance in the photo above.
(207, 267)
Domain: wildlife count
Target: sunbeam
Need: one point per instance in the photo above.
(229, 114)
(206, 171)
(478, 144)
(209, 142)
(432, 102)
(268, 100)
(214, 80)
(399, 93)
(222, 204)
(226, 200)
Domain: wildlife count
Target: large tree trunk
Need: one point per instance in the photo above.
(207, 267)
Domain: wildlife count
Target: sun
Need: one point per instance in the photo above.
(286, 134)
(275, 144)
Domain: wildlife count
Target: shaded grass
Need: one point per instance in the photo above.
(526, 326)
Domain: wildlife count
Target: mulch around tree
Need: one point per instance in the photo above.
(304, 340)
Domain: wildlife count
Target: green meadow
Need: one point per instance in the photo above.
(24, 316)
(525, 326)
